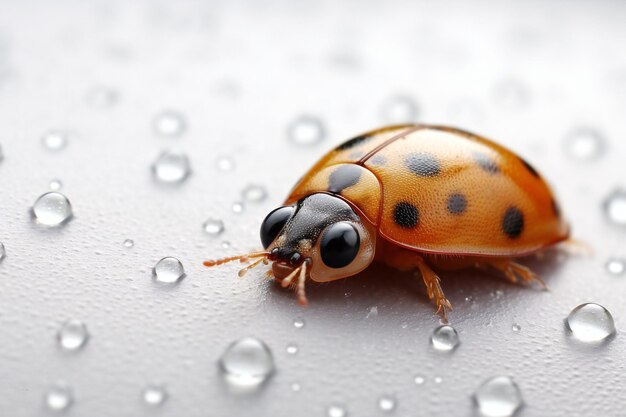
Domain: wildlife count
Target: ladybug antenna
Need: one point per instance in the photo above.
(241, 258)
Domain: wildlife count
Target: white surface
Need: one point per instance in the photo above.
(240, 74)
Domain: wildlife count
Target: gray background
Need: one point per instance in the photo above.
(523, 73)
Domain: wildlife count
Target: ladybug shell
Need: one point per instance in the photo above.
(440, 190)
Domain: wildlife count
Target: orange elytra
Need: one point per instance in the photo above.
(405, 195)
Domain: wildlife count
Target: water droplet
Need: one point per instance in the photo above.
(55, 185)
(306, 131)
(419, 380)
(295, 387)
(213, 227)
(387, 403)
(247, 362)
(237, 207)
(590, 323)
(225, 163)
(445, 338)
(337, 410)
(129, 243)
(154, 395)
(1, 154)
(498, 397)
(616, 266)
(292, 348)
(3, 251)
(225, 244)
(73, 335)
(254, 193)
(516, 328)
(169, 124)
(584, 144)
(102, 97)
(169, 270)
(298, 323)
(54, 140)
(59, 397)
(400, 109)
(438, 380)
(52, 209)
(171, 167)
(615, 207)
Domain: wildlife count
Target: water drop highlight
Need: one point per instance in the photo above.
(59, 397)
(498, 397)
(336, 410)
(154, 395)
(55, 140)
(171, 167)
(399, 109)
(169, 124)
(298, 323)
(590, 323)
(129, 243)
(55, 185)
(616, 266)
(387, 403)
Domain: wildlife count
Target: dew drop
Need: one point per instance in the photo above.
(168, 270)
(615, 207)
(295, 387)
(102, 97)
(292, 348)
(55, 185)
(438, 380)
(73, 335)
(52, 209)
(387, 403)
(129, 243)
(247, 362)
(498, 397)
(169, 124)
(171, 167)
(154, 395)
(225, 244)
(399, 109)
(306, 131)
(213, 227)
(590, 323)
(445, 338)
(336, 410)
(254, 193)
(419, 380)
(298, 323)
(59, 397)
(616, 266)
(584, 144)
(54, 140)
(237, 207)
(516, 328)
(3, 251)
(225, 163)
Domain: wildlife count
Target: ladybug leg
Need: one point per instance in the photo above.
(433, 287)
(515, 272)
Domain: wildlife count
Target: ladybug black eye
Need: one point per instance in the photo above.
(274, 223)
(339, 245)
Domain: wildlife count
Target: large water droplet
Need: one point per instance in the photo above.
(54, 140)
(615, 207)
(616, 266)
(247, 362)
(55, 185)
(213, 227)
(298, 322)
(336, 410)
(445, 338)
(169, 270)
(59, 397)
(154, 395)
(306, 131)
(590, 323)
(52, 209)
(171, 167)
(3, 251)
(498, 397)
(399, 109)
(73, 335)
(387, 403)
(254, 193)
(584, 144)
(169, 124)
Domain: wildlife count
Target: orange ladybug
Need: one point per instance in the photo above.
(412, 197)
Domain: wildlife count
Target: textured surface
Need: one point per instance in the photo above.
(523, 73)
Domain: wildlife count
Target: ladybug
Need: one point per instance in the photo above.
(414, 197)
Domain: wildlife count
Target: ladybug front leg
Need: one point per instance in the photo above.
(433, 288)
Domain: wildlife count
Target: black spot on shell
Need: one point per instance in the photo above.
(378, 160)
(423, 164)
(530, 168)
(486, 163)
(353, 142)
(457, 203)
(405, 215)
(513, 222)
(343, 177)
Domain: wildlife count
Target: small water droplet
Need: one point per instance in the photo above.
(169, 270)
(247, 362)
(225, 163)
(237, 207)
(584, 144)
(154, 395)
(399, 109)
(73, 335)
(616, 266)
(52, 209)
(169, 123)
(295, 387)
(102, 97)
(3, 251)
(306, 131)
(292, 348)
(254, 193)
(54, 140)
(404, 325)
(336, 410)
(445, 338)
(498, 397)
(171, 167)
(59, 397)
(55, 185)
(387, 403)
(438, 380)
(225, 244)
(129, 243)
(419, 380)
(213, 227)
(590, 323)
(615, 207)
(298, 323)
(516, 328)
